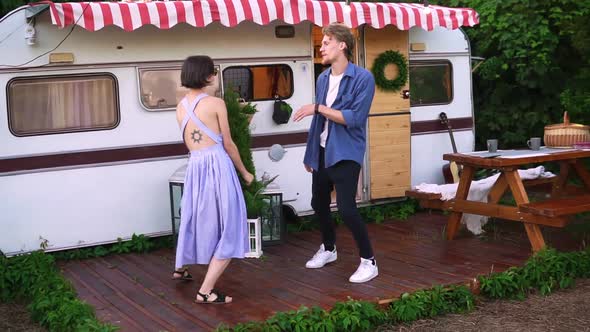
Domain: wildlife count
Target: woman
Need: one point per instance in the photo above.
(213, 226)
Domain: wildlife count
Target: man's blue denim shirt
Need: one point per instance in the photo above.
(345, 142)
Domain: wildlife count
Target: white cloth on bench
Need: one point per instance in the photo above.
(479, 191)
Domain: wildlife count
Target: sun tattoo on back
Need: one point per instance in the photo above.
(196, 136)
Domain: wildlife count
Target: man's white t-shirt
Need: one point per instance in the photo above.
(333, 85)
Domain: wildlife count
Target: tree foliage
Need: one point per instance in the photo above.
(536, 65)
(7, 6)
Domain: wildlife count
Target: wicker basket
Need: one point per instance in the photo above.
(566, 134)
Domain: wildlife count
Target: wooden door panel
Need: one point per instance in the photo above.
(389, 133)
(389, 155)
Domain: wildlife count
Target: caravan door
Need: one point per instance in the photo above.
(389, 120)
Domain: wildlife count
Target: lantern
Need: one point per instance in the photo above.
(254, 239)
(176, 186)
(273, 224)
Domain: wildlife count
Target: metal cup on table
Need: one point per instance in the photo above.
(492, 145)
(534, 143)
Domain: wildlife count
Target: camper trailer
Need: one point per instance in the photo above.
(88, 136)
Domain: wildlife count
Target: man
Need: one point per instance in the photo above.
(336, 146)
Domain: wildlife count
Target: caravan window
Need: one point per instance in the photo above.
(255, 83)
(62, 104)
(160, 88)
(431, 83)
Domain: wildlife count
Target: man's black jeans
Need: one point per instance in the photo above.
(343, 176)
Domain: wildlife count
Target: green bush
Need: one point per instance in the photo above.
(546, 271)
(353, 316)
(356, 315)
(52, 300)
(138, 243)
(431, 303)
(239, 125)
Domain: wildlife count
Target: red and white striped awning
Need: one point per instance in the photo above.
(199, 13)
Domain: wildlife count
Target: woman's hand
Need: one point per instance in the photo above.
(248, 178)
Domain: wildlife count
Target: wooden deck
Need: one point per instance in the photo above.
(135, 291)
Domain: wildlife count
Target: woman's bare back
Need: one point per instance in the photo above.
(194, 137)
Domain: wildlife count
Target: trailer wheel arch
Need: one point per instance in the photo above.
(290, 214)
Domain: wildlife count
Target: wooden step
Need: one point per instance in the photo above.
(558, 207)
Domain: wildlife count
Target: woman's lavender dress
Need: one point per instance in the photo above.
(213, 213)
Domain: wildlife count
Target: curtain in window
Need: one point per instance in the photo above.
(62, 104)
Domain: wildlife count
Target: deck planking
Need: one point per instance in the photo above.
(135, 291)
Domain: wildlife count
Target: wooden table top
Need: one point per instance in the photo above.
(508, 158)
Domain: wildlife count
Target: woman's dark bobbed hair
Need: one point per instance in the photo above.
(196, 71)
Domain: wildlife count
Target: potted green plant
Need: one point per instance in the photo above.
(239, 126)
(238, 117)
(255, 202)
(287, 108)
(248, 110)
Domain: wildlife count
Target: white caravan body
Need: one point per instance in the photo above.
(88, 185)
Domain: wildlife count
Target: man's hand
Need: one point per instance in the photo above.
(307, 168)
(304, 111)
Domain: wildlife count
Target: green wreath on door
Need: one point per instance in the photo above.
(378, 70)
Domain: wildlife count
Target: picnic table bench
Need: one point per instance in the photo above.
(556, 211)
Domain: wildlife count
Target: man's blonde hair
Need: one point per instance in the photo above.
(341, 33)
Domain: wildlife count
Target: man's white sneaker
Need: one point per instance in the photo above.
(321, 258)
(365, 272)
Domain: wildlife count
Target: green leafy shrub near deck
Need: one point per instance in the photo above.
(370, 214)
(546, 271)
(430, 303)
(355, 315)
(52, 300)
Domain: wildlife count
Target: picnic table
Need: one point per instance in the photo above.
(556, 211)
